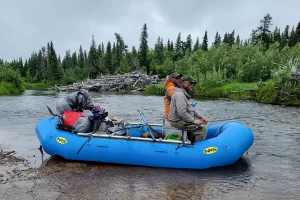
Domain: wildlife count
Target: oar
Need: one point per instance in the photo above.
(50, 111)
(151, 130)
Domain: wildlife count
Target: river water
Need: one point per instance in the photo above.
(270, 169)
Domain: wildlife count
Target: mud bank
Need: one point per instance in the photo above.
(17, 179)
(10, 165)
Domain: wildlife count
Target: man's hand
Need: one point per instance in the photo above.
(204, 119)
(197, 122)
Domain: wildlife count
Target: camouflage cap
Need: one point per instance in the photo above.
(189, 79)
(175, 74)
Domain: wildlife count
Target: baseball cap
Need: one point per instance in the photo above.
(175, 74)
(189, 79)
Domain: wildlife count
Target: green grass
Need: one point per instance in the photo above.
(225, 91)
(232, 90)
(37, 86)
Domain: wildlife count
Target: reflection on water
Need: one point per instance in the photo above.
(273, 174)
(136, 182)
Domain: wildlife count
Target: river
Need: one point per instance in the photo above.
(270, 170)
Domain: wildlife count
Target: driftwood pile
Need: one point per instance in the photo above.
(127, 81)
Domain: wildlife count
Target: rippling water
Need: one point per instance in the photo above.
(270, 170)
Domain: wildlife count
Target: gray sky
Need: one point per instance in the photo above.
(26, 26)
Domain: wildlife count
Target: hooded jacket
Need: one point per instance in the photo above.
(79, 101)
(170, 87)
(181, 108)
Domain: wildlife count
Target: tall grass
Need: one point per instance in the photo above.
(155, 89)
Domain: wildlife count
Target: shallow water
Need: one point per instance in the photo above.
(270, 170)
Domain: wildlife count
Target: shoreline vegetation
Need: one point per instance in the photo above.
(264, 67)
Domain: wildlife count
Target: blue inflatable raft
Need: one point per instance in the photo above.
(225, 143)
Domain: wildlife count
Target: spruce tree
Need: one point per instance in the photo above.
(293, 39)
(80, 58)
(40, 66)
(102, 48)
(113, 53)
(205, 42)
(196, 45)
(285, 37)
(108, 58)
(159, 51)
(134, 58)
(188, 44)
(264, 32)
(120, 48)
(74, 59)
(53, 64)
(297, 33)
(169, 45)
(67, 61)
(231, 38)
(93, 60)
(178, 48)
(143, 50)
(99, 50)
(238, 40)
(217, 39)
(254, 37)
(25, 67)
(225, 38)
(276, 35)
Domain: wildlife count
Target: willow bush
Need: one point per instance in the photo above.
(11, 81)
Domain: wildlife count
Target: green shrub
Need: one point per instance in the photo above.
(155, 89)
(268, 93)
(11, 80)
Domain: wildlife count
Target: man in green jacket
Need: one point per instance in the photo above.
(183, 115)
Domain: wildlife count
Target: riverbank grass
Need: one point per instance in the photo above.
(37, 86)
(234, 90)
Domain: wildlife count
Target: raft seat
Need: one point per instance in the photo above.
(168, 129)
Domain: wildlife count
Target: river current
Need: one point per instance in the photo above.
(270, 169)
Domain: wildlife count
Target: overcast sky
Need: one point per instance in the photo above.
(26, 26)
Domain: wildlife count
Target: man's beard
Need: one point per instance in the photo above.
(187, 90)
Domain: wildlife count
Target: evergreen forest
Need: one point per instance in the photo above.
(268, 61)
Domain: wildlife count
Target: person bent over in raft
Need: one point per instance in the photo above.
(76, 101)
(183, 115)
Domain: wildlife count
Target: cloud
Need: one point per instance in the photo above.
(26, 26)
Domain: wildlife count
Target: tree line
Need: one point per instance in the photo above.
(227, 58)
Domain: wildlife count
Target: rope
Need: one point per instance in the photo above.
(260, 153)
